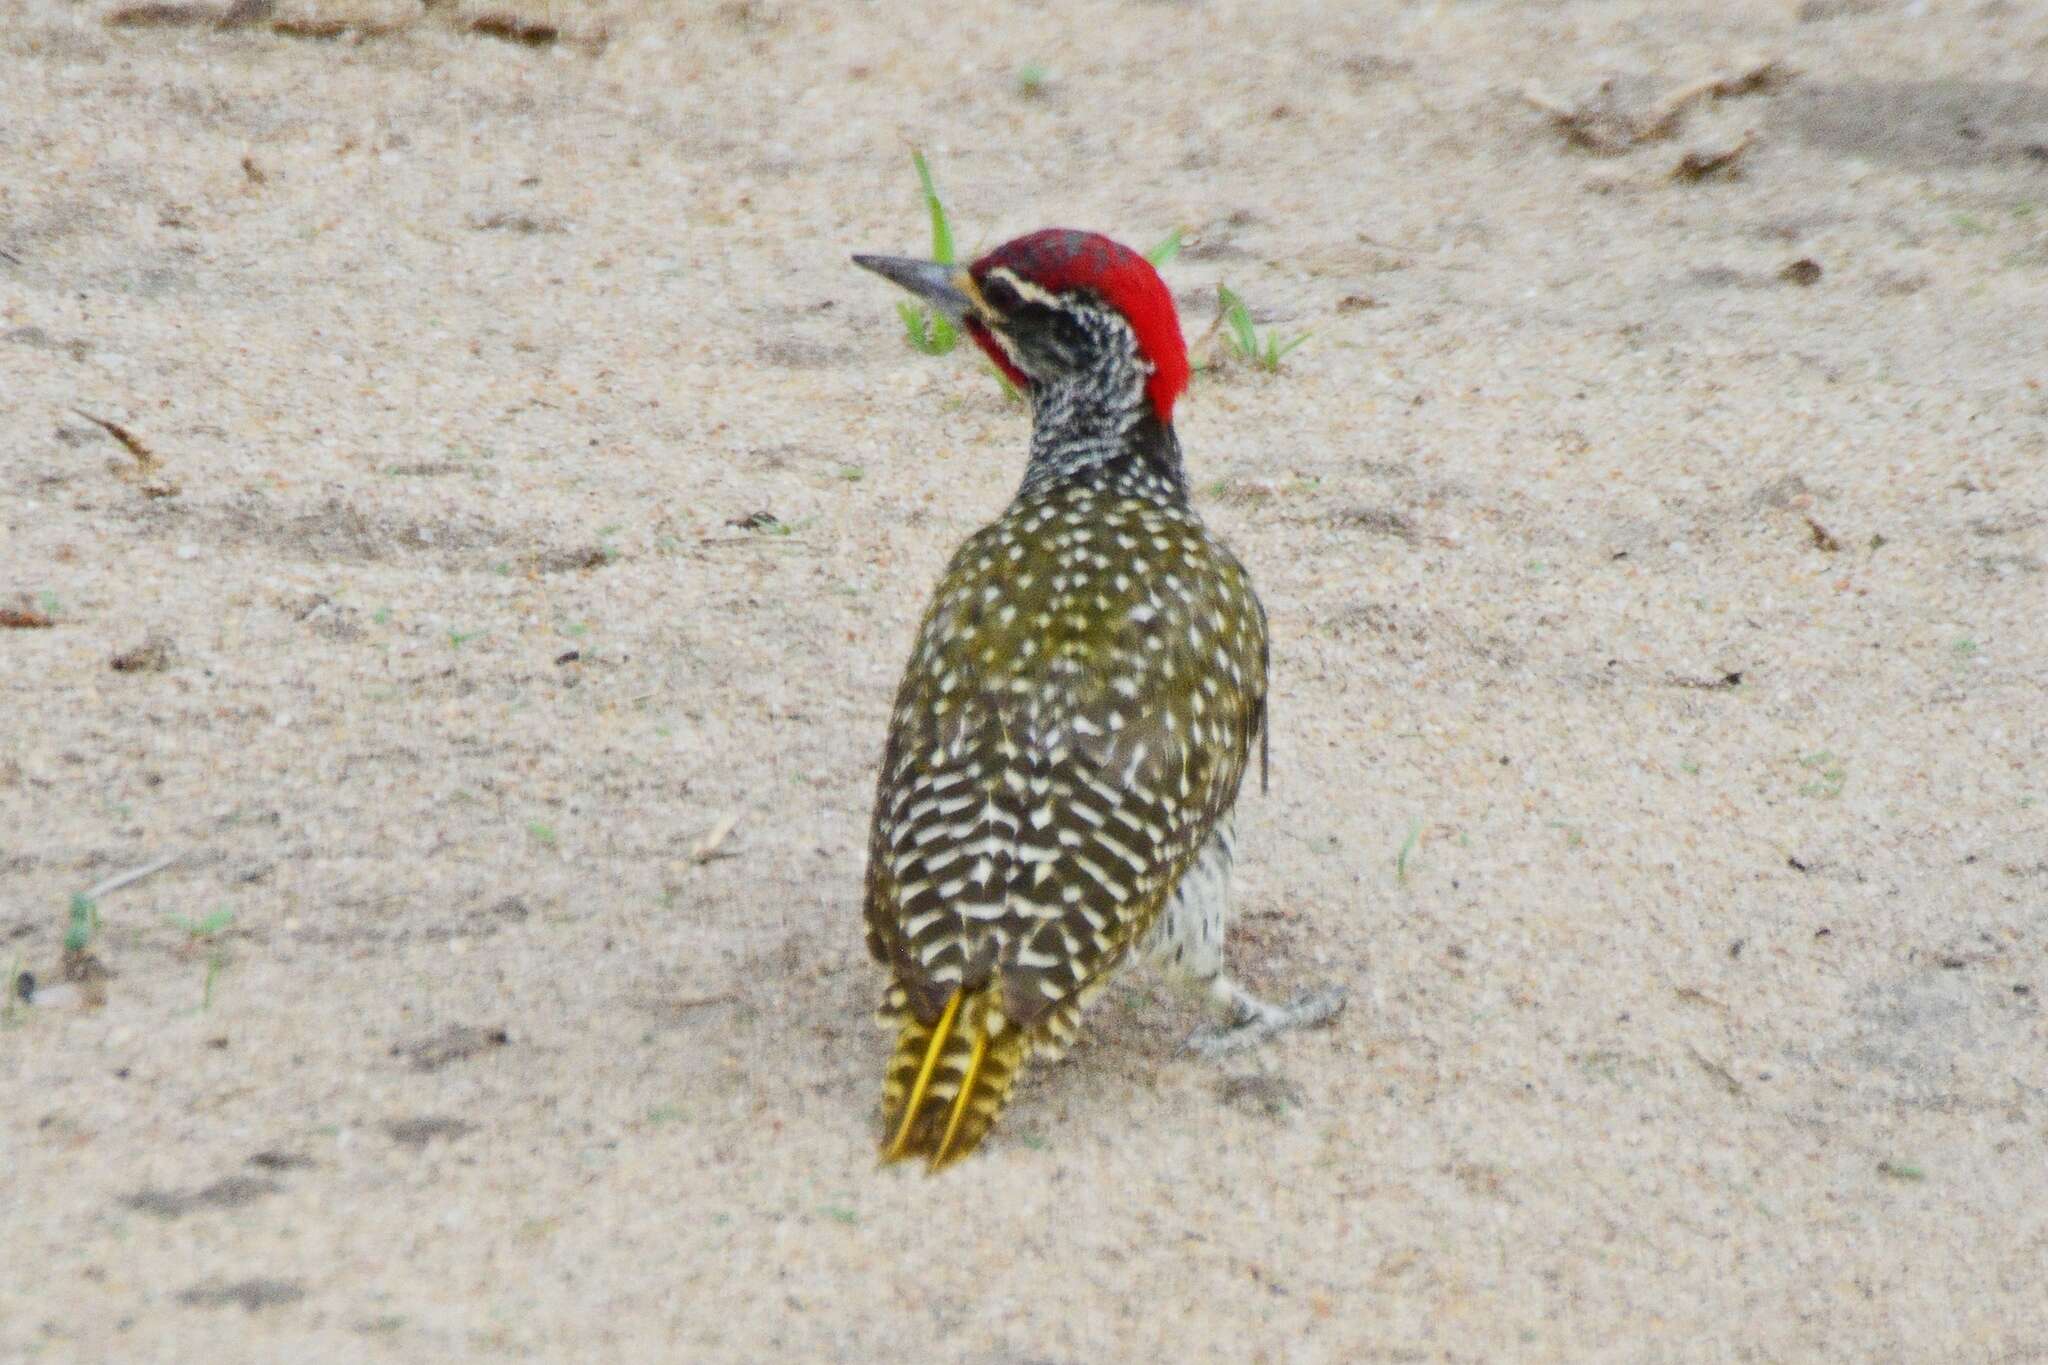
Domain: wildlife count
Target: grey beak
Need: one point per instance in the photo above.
(931, 281)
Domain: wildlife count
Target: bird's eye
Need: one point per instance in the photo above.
(1000, 294)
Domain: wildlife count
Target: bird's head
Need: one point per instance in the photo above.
(1058, 307)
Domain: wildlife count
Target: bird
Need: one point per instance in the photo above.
(1088, 684)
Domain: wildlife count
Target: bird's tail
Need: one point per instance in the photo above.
(949, 1080)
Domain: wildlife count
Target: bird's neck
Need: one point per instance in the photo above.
(1092, 433)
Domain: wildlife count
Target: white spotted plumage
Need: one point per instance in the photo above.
(1085, 693)
(1088, 731)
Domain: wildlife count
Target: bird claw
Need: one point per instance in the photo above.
(1258, 1022)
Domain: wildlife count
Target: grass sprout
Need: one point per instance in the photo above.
(206, 928)
(1266, 352)
(216, 963)
(925, 330)
(1407, 847)
(1831, 775)
(83, 923)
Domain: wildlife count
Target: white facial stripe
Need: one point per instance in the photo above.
(1025, 288)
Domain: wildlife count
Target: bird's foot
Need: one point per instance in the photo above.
(1254, 1021)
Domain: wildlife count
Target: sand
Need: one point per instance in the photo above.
(1661, 657)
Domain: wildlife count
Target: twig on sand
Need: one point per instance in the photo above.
(514, 28)
(1588, 127)
(1702, 165)
(168, 14)
(1722, 1075)
(706, 848)
(1598, 126)
(1663, 117)
(1720, 682)
(132, 443)
(1823, 538)
(148, 465)
(131, 876)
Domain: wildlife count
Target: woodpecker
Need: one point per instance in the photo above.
(1083, 699)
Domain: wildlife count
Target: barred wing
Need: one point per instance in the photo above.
(1067, 734)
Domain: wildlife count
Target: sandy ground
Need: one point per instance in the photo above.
(1686, 624)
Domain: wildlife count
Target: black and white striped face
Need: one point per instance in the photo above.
(1063, 311)
(1056, 339)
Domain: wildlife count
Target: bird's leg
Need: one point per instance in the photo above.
(1187, 940)
(1250, 1021)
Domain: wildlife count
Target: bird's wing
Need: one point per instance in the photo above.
(1030, 821)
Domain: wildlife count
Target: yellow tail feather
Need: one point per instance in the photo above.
(934, 1047)
(961, 1098)
(947, 1082)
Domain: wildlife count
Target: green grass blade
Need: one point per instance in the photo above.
(942, 229)
(926, 332)
(82, 920)
(1167, 248)
(1407, 847)
(916, 326)
(1244, 338)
